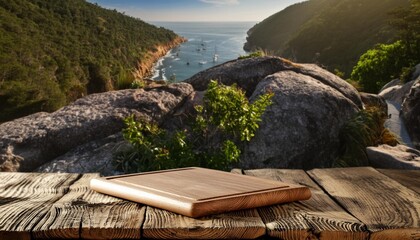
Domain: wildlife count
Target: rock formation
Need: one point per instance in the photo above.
(300, 129)
(29, 142)
(248, 73)
(404, 108)
(398, 157)
(411, 113)
(395, 92)
(95, 156)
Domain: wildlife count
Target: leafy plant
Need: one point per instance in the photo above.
(152, 148)
(364, 130)
(378, 66)
(224, 122)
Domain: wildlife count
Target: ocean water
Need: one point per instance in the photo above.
(209, 44)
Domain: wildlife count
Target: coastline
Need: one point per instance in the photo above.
(145, 66)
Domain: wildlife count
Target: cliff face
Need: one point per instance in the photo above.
(145, 65)
(333, 33)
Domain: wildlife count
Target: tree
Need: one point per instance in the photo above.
(378, 66)
(407, 22)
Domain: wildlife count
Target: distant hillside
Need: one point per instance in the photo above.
(55, 51)
(333, 33)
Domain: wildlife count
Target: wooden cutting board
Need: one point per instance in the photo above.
(197, 192)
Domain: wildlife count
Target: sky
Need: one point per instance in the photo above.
(198, 10)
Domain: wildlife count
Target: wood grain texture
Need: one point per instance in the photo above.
(408, 178)
(25, 198)
(83, 213)
(162, 224)
(397, 234)
(197, 192)
(383, 204)
(319, 217)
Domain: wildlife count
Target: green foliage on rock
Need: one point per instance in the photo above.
(152, 148)
(223, 123)
(364, 130)
(55, 51)
(385, 62)
(252, 55)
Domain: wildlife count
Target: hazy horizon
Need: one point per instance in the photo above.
(198, 10)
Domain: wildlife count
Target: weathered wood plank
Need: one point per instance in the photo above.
(397, 234)
(408, 178)
(162, 224)
(319, 217)
(245, 224)
(384, 205)
(90, 215)
(26, 197)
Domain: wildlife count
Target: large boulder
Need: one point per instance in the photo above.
(247, 73)
(31, 141)
(310, 105)
(301, 128)
(411, 113)
(398, 157)
(96, 156)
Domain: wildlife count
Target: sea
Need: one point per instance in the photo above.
(209, 44)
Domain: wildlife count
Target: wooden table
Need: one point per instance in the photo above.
(350, 203)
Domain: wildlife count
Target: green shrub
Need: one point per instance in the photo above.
(387, 61)
(378, 66)
(253, 55)
(364, 130)
(224, 122)
(152, 148)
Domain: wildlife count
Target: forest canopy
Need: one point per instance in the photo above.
(331, 33)
(55, 51)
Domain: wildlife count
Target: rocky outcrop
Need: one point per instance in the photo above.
(396, 93)
(411, 113)
(398, 157)
(248, 73)
(310, 105)
(29, 142)
(96, 156)
(145, 66)
(416, 72)
(301, 128)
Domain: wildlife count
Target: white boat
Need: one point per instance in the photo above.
(202, 62)
(215, 56)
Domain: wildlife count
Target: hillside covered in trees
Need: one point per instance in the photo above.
(55, 51)
(333, 33)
